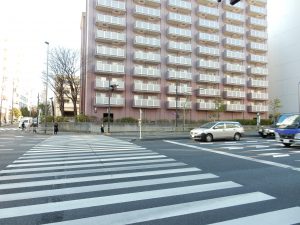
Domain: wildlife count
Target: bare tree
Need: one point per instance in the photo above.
(64, 63)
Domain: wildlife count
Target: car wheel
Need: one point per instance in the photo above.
(264, 136)
(236, 137)
(209, 138)
(287, 144)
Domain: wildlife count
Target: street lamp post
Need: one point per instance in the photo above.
(176, 106)
(52, 108)
(111, 87)
(46, 105)
(298, 97)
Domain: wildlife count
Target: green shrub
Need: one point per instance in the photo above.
(127, 120)
(82, 118)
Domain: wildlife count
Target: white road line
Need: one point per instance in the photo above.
(266, 149)
(232, 148)
(115, 199)
(49, 151)
(143, 215)
(89, 171)
(6, 149)
(281, 155)
(257, 146)
(103, 187)
(269, 154)
(95, 178)
(102, 165)
(252, 141)
(280, 217)
(83, 161)
(68, 158)
(238, 156)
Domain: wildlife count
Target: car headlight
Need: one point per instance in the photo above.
(297, 136)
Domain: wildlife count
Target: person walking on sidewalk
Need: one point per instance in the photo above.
(55, 128)
(102, 128)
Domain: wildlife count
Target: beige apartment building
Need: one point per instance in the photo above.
(158, 51)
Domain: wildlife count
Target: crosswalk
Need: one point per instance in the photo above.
(8, 129)
(102, 180)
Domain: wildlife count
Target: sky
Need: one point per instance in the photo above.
(29, 23)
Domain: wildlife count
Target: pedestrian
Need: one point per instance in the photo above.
(102, 128)
(55, 128)
(23, 125)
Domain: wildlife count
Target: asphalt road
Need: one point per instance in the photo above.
(91, 179)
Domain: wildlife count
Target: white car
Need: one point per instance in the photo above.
(218, 130)
(27, 121)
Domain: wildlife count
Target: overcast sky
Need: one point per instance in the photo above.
(32, 22)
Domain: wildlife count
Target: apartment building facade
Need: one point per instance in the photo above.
(165, 55)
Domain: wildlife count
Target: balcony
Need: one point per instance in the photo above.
(256, 11)
(233, 42)
(235, 107)
(179, 19)
(154, 3)
(141, 87)
(181, 90)
(233, 30)
(146, 72)
(179, 75)
(104, 84)
(202, 50)
(257, 47)
(208, 38)
(174, 32)
(147, 13)
(146, 42)
(179, 61)
(235, 81)
(208, 64)
(258, 108)
(257, 2)
(258, 96)
(257, 59)
(111, 53)
(255, 34)
(147, 57)
(238, 7)
(258, 83)
(258, 71)
(145, 27)
(210, 25)
(206, 78)
(208, 12)
(110, 21)
(110, 36)
(179, 47)
(235, 18)
(180, 6)
(210, 3)
(236, 55)
(146, 103)
(256, 23)
(234, 94)
(111, 6)
(106, 68)
(206, 106)
(114, 102)
(209, 92)
(234, 68)
(180, 104)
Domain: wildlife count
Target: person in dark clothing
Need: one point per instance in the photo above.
(23, 126)
(55, 128)
(102, 128)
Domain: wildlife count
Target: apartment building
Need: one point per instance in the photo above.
(165, 55)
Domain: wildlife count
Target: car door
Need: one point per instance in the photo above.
(230, 130)
(218, 131)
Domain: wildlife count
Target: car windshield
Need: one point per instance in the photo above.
(288, 121)
(208, 125)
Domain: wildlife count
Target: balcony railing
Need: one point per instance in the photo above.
(206, 106)
(209, 12)
(209, 24)
(147, 12)
(149, 57)
(103, 101)
(179, 32)
(212, 3)
(234, 94)
(232, 29)
(238, 7)
(206, 78)
(112, 21)
(146, 27)
(258, 96)
(258, 108)
(257, 23)
(258, 71)
(179, 5)
(235, 81)
(184, 90)
(257, 2)
(179, 60)
(209, 92)
(253, 10)
(179, 18)
(110, 36)
(146, 87)
(257, 46)
(114, 68)
(179, 46)
(257, 58)
(107, 52)
(147, 41)
(104, 84)
(235, 107)
(154, 3)
(202, 50)
(236, 18)
(234, 68)
(257, 34)
(111, 5)
(146, 103)
(146, 72)
(234, 55)
(258, 83)
(180, 104)
(179, 75)
(210, 38)
(208, 64)
(233, 42)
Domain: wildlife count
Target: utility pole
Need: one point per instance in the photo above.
(46, 99)
(37, 110)
(12, 101)
(176, 106)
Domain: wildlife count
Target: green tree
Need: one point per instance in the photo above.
(25, 111)
(220, 106)
(16, 113)
(275, 106)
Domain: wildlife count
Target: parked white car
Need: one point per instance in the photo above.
(27, 121)
(218, 130)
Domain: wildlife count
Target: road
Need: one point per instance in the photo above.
(89, 179)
